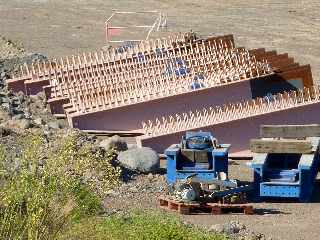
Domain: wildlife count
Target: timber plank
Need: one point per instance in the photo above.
(280, 146)
(290, 131)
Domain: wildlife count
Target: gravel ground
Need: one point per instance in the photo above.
(57, 28)
(277, 221)
(281, 221)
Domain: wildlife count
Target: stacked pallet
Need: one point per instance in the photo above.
(186, 208)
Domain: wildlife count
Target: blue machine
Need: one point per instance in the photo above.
(286, 175)
(198, 154)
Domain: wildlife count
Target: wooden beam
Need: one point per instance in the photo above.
(289, 131)
(280, 146)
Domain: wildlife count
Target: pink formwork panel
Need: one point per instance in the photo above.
(239, 132)
(235, 123)
(17, 84)
(34, 87)
(129, 117)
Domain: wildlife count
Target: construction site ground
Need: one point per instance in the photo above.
(58, 28)
(278, 221)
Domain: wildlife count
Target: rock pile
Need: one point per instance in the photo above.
(114, 142)
(18, 111)
(140, 159)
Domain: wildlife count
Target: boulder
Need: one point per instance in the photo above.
(114, 142)
(21, 96)
(62, 123)
(39, 121)
(18, 116)
(233, 227)
(41, 95)
(54, 125)
(23, 123)
(140, 159)
(131, 146)
(217, 228)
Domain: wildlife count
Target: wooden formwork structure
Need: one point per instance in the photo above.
(235, 123)
(98, 109)
(32, 78)
(139, 84)
(129, 75)
(158, 78)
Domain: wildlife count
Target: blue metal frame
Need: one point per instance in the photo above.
(178, 170)
(293, 183)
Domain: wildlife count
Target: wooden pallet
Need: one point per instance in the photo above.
(198, 208)
(230, 208)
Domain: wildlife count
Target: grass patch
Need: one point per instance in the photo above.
(47, 186)
(138, 226)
